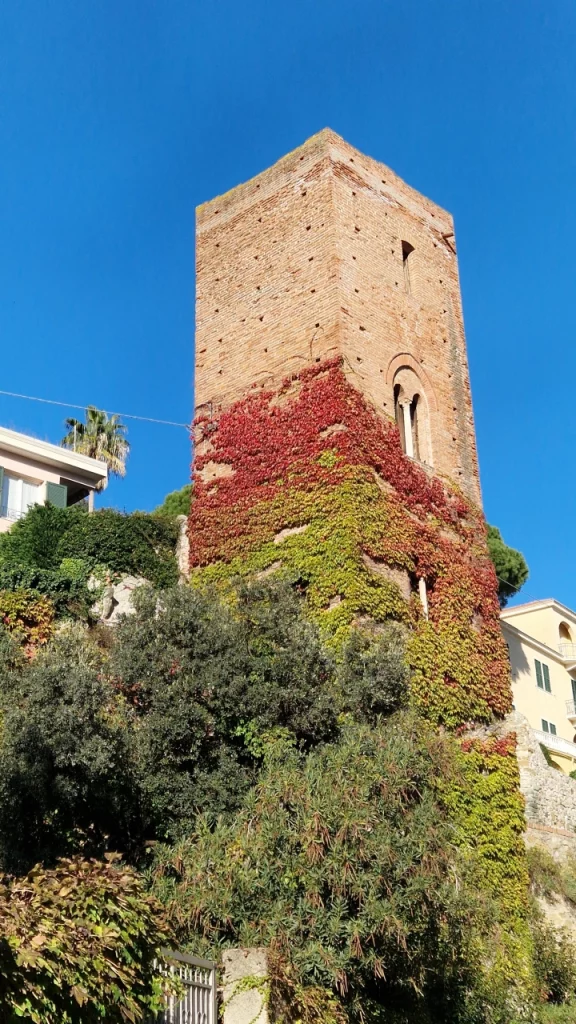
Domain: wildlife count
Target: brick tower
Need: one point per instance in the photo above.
(335, 448)
(329, 254)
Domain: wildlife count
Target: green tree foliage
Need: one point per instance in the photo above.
(77, 946)
(101, 437)
(106, 748)
(207, 680)
(177, 503)
(48, 538)
(510, 565)
(342, 862)
(373, 676)
(66, 773)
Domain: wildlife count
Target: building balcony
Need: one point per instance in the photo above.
(556, 744)
(568, 654)
(571, 711)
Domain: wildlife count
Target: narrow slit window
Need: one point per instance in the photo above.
(407, 251)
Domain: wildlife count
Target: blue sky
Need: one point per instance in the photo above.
(117, 119)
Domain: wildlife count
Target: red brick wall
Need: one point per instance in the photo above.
(304, 262)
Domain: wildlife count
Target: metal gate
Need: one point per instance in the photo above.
(198, 1005)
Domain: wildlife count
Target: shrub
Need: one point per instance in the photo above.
(33, 540)
(66, 774)
(373, 676)
(135, 543)
(342, 862)
(554, 962)
(77, 945)
(65, 587)
(207, 680)
(28, 616)
(138, 544)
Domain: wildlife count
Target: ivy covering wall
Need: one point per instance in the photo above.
(308, 482)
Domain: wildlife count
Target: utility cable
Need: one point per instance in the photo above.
(124, 415)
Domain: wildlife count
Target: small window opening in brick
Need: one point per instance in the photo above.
(407, 251)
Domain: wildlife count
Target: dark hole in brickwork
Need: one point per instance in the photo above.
(216, 310)
(260, 318)
(303, 194)
(356, 228)
(308, 226)
(256, 257)
(359, 359)
(353, 193)
(219, 340)
(317, 359)
(312, 290)
(259, 220)
(362, 328)
(353, 257)
(356, 290)
(316, 325)
(310, 258)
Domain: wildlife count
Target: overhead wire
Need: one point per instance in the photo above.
(71, 405)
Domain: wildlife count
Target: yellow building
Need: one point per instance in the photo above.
(541, 638)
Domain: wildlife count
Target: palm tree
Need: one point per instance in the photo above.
(101, 437)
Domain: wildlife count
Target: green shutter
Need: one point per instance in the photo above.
(539, 680)
(573, 681)
(57, 494)
(545, 726)
(547, 686)
(552, 729)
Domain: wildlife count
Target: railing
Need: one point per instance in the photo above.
(571, 708)
(198, 1005)
(11, 513)
(556, 743)
(567, 651)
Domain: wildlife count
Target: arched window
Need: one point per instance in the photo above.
(411, 414)
(407, 251)
(565, 634)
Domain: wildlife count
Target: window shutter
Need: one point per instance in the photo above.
(573, 681)
(57, 494)
(547, 686)
(545, 726)
(552, 728)
(539, 680)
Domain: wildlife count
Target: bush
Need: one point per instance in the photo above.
(342, 862)
(66, 773)
(27, 616)
(33, 540)
(65, 587)
(77, 946)
(207, 681)
(554, 962)
(373, 676)
(137, 543)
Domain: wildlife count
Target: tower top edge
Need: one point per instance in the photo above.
(325, 145)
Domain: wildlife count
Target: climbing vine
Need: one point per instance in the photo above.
(309, 482)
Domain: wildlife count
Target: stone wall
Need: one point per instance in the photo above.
(549, 794)
(245, 986)
(305, 262)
